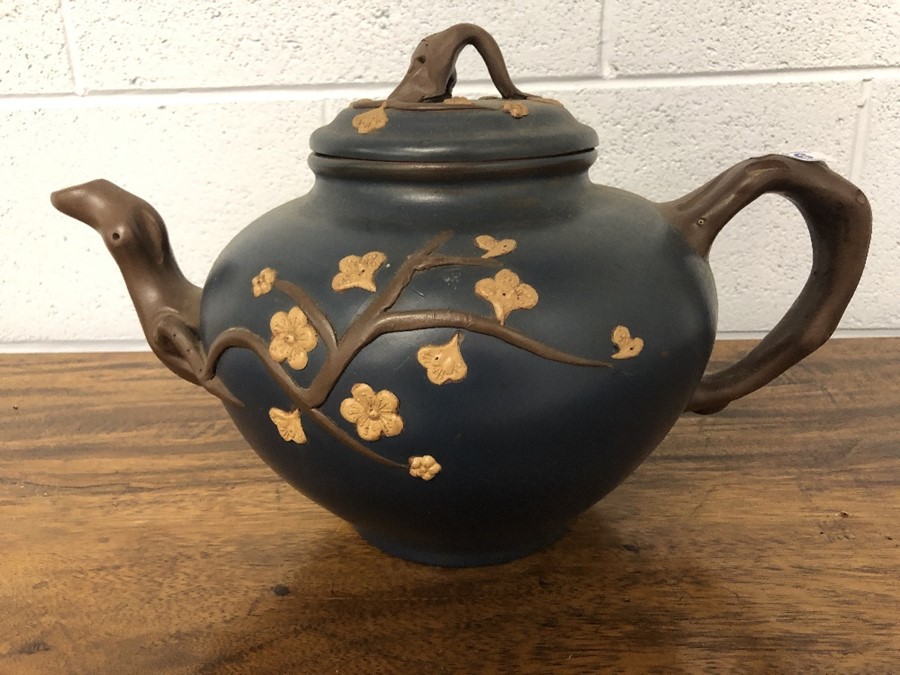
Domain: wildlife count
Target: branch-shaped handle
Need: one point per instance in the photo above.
(840, 226)
(432, 70)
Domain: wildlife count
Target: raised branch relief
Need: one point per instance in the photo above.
(375, 415)
(245, 339)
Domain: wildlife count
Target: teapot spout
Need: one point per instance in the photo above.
(167, 304)
(82, 202)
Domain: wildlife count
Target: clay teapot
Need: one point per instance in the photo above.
(455, 341)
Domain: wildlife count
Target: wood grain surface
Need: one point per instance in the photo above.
(139, 534)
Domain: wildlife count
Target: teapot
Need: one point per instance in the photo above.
(456, 341)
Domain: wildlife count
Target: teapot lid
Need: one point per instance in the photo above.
(421, 120)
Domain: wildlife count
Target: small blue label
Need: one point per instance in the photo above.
(806, 156)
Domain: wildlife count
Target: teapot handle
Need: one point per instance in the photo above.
(840, 226)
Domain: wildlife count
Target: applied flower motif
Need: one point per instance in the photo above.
(288, 424)
(443, 363)
(371, 120)
(515, 108)
(629, 347)
(297, 331)
(292, 338)
(493, 247)
(374, 414)
(262, 282)
(425, 467)
(506, 293)
(358, 271)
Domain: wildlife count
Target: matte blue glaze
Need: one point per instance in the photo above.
(526, 444)
(458, 133)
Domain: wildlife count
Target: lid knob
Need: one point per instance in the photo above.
(432, 69)
(422, 121)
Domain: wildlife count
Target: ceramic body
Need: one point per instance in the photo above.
(455, 341)
(525, 443)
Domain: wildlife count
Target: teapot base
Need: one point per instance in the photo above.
(476, 558)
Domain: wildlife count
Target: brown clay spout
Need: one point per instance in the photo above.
(168, 305)
(90, 203)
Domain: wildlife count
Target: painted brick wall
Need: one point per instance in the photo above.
(205, 108)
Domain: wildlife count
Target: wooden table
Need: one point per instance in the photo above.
(140, 535)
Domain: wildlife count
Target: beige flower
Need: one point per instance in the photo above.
(493, 247)
(629, 347)
(515, 108)
(358, 271)
(506, 293)
(262, 282)
(292, 338)
(425, 467)
(443, 363)
(375, 415)
(288, 424)
(371, 120)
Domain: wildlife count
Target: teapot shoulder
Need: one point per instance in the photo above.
(612, 249)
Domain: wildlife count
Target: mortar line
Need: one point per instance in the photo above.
(605, 28)
(764, 75)
(318, 91)
(861, 135)
(72, 52)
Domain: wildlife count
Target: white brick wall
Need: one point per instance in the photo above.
(218, 97)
